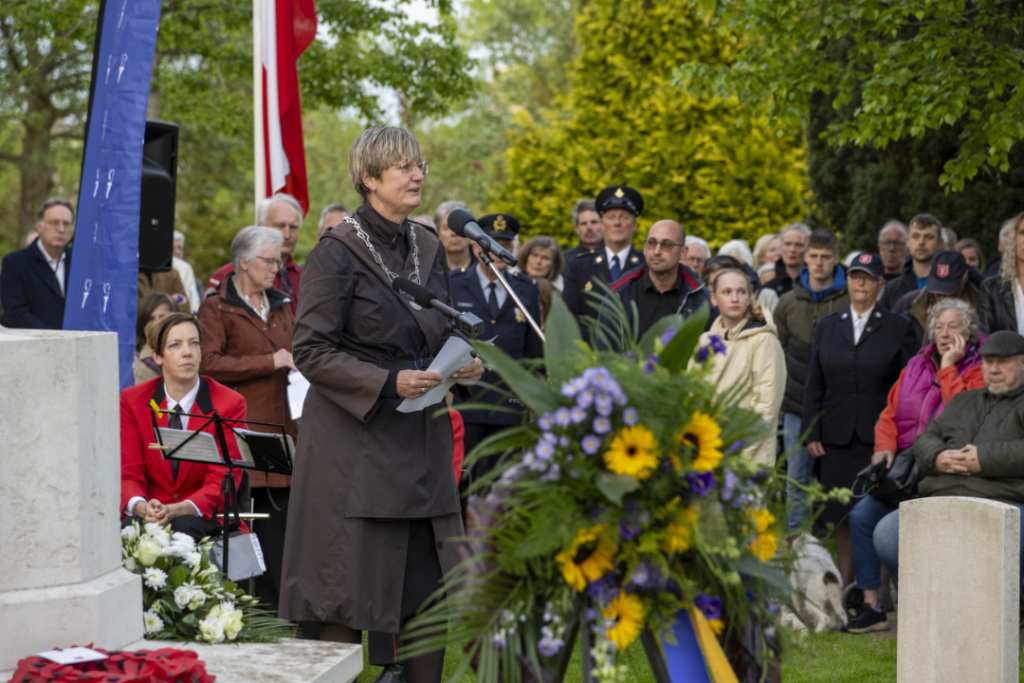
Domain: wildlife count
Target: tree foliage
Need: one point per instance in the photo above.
(910, 66)
(624, 121)
(202, 81)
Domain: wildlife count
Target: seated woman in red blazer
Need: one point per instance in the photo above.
(181, 494)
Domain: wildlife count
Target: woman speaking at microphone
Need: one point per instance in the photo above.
(374, 498)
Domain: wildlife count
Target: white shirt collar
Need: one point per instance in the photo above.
(186, 402)
(623, 255)
(57, 266)
(860, 321)
(499, 291)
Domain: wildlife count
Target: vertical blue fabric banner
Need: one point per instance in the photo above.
(102, 293)
(685, 659)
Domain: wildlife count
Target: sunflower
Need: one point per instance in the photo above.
(703, 435)
(633, 452)
(588, 557)
(628, 614)
(765, 542)
(679, 532)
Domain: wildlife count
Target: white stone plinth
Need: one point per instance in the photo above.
(286, 661)
(959, 586)
(61, 581)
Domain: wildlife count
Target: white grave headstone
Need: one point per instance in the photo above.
(959, 583)
(61, 580)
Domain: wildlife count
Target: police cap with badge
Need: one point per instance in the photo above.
(619, 197)
(500, 226)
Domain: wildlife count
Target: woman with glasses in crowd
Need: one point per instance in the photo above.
(247, 345)
(541, 258)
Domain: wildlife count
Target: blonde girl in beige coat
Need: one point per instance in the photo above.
(753, 358)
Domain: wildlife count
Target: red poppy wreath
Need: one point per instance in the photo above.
(167, 665)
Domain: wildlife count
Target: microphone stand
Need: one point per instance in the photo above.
(486, 257)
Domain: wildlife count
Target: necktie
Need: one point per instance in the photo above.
(492, 300)
(174, 422)
(616, 268)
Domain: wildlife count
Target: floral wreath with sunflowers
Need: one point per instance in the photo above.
(630, 503)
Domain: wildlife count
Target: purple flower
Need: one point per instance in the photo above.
(595, 513)
(570, 389)
(563, 441)
(602, 590)
(703, 353)
(651, 364)
(740, 501)
(562, 417)
(729, 485)
(546, 421)
(592, 614)
(710, 606)
(736, 445)
(630, 416)
(717, 345)
(604, 404)
(627, 530)
(640, 576)
(550, 437)
(585, 398)
(667, 337)
(591, 444)
(577, 415)
(544, 450)
(552, 474)
(529, 459)
(602, 425)
(548, 645)
(701, 483)
(621, 399)
(630, 354)
(672, 587)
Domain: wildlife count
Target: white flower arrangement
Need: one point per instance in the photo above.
(185, 596)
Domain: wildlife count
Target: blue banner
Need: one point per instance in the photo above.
(685, 659)
(102, 294)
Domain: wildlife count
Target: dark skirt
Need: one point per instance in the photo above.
(839, 467)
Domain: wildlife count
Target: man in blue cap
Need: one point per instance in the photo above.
(619, 206)
(476, 290)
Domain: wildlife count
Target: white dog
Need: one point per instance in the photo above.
(817, 589)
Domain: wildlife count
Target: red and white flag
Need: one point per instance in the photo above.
(287, 27)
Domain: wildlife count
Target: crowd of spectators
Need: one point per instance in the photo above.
(853, 359)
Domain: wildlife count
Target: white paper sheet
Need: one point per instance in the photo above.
(72, 655)
(454, 355)
(297, 388)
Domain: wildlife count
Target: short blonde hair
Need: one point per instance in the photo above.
(376, 150)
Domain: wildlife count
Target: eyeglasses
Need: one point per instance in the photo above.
(59, 224)
(408, 166)
(272, 262)
(653, 244)
(891, 244)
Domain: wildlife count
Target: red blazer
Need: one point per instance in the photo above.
(144, 472)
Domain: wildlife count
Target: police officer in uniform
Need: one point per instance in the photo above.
(476, 290)
(618, 206)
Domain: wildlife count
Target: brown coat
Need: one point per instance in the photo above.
(238, 351)
(363, 469)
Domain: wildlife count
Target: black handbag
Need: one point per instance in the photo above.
(893, 485)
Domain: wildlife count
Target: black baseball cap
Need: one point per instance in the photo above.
(947, 273)
(870, 264)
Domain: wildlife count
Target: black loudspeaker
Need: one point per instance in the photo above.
(159, 177)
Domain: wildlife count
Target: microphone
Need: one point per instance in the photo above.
(462, 224)
(467, 323)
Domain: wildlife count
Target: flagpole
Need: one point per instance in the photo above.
(259, 153)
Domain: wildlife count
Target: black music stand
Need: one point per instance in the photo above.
(267, 451)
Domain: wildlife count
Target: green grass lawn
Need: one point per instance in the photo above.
(812, 658)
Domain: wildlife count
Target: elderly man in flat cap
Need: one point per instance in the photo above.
(974, 448)
(618, 206)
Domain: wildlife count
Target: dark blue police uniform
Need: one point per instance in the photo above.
(509, 330)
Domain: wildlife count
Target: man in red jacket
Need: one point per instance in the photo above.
(182, 494)
(281, 212)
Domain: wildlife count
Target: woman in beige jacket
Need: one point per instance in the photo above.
(753, 358)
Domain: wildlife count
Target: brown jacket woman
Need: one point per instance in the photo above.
(238, 350)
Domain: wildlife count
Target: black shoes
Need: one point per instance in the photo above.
(868, 619)
(392, 673)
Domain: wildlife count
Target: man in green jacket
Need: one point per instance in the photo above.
(976, 447)
(819, 291)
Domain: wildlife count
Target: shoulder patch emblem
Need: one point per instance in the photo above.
(598, 259)
(589, 286)
(634, 259)
(844, 316)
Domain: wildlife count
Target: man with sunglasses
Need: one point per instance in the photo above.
(664, 286)
(33, 280)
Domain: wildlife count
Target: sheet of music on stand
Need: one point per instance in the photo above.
(201, 448)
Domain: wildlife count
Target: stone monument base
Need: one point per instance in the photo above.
(106, 611)
(286, 661)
